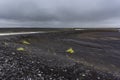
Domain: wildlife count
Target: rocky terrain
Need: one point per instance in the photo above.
(44, 56)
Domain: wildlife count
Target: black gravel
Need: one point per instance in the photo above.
(16, 65)
(36, 63)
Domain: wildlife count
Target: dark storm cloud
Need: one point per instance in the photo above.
(58, 12)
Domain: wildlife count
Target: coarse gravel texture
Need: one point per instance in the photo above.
(45, 59)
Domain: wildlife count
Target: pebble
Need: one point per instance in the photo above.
(98, 77)
(13, 53)
(40, 75)
(83, 75)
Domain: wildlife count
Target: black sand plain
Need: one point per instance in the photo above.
(96, 56)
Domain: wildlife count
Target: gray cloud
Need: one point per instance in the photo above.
(59, 13)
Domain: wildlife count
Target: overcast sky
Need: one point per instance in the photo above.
(60, 13)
